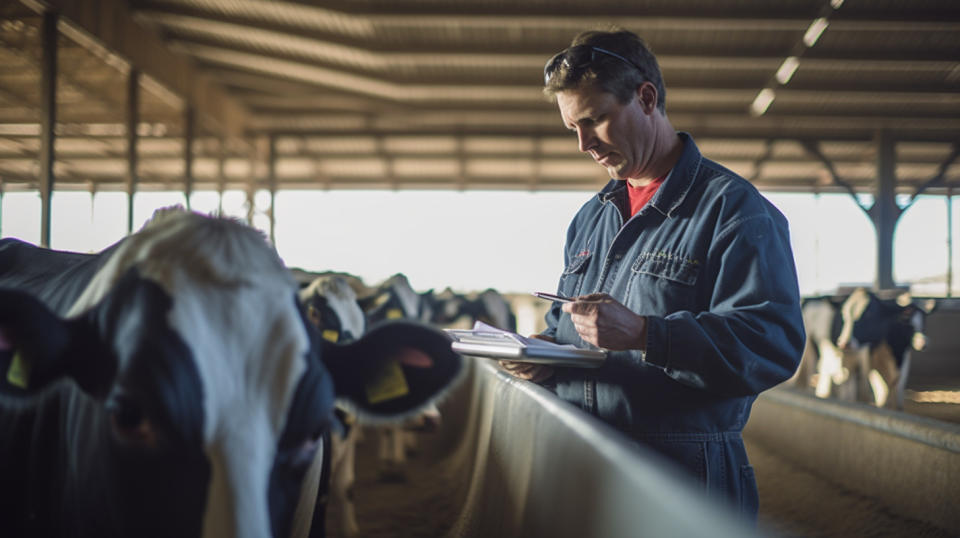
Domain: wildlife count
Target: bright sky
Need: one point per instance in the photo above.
(472, 240)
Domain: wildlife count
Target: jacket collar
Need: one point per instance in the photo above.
(674, 189)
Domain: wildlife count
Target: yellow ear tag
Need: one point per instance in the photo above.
(331, 336)
(394, 313)
(389, 383)
(19, 373)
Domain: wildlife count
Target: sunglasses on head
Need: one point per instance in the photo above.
(578, 57)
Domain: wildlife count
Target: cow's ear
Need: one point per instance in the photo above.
(33, 343)
(395, 370)
(38, 347)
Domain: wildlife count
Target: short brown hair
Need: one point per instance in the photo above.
(608, 70)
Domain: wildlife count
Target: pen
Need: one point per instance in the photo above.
(552, 297)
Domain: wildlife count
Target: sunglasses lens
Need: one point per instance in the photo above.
(578, 57)
(552, 65)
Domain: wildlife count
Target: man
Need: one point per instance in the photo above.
(680, 268)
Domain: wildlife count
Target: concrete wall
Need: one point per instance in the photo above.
(938, 366)
(911, 464)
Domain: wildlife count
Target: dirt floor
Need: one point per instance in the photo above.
(797, 503)
(947, 412)
(421, 507)
(793, 501)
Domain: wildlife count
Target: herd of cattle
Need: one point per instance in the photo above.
(184, 382)
(859, 346)
(174, 385)
(342, 308)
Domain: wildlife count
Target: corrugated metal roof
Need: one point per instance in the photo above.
(414, 93)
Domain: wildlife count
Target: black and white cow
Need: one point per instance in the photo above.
(392, 299)
(860, 345)
(882, 332)
(452, 309)
(331, 306)
(823, 364)
(171, 386)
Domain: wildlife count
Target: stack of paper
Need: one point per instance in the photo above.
(490, 342)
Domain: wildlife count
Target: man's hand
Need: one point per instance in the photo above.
(605, 323)
(536, 373)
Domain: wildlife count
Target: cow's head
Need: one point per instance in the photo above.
(331, 306)
(206, 386)
(448, 306)
(910, 327)
(393, 299)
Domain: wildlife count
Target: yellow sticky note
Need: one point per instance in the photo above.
(394, 313)
(331, 336)
(19, 373)
(389, 383)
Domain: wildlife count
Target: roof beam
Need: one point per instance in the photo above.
(109, 23)
(625, 14)
(188, 24)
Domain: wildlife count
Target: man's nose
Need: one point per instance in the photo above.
(586, 139)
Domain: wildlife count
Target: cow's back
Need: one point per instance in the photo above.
(821, 319)
(55, 277)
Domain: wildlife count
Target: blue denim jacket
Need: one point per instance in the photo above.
(708, 262)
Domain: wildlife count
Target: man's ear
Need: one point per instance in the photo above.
(647, 95)
(396, 369)
(38, 347)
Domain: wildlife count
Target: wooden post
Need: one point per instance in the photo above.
(221, 177)
(885, 211)
(272, 179)
(252, 181)
(949, 241)
(133, 119)
(189, 121)
(48, 121)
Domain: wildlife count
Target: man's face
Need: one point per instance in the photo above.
(616, 135)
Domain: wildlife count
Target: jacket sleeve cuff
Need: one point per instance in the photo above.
(657, 342)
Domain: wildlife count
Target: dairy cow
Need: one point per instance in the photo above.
(882, 333)
(392, 299)
(860, 345)
(331, 306)
(171, 386)
(451, 309)
(824, 365)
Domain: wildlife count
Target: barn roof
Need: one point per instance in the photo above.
(436, 94)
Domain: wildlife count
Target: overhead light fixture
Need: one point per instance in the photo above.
(762, 101)
(835, 4)
(813, 32)
(787, 69)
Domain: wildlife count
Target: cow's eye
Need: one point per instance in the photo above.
(130, 423)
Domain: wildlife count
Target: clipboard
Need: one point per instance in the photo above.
(489, 342)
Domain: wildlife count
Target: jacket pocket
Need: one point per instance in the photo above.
(749, 497)
(671, 266)
(572, 278)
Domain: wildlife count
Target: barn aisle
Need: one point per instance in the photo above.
(795, 502)
(425, 506)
